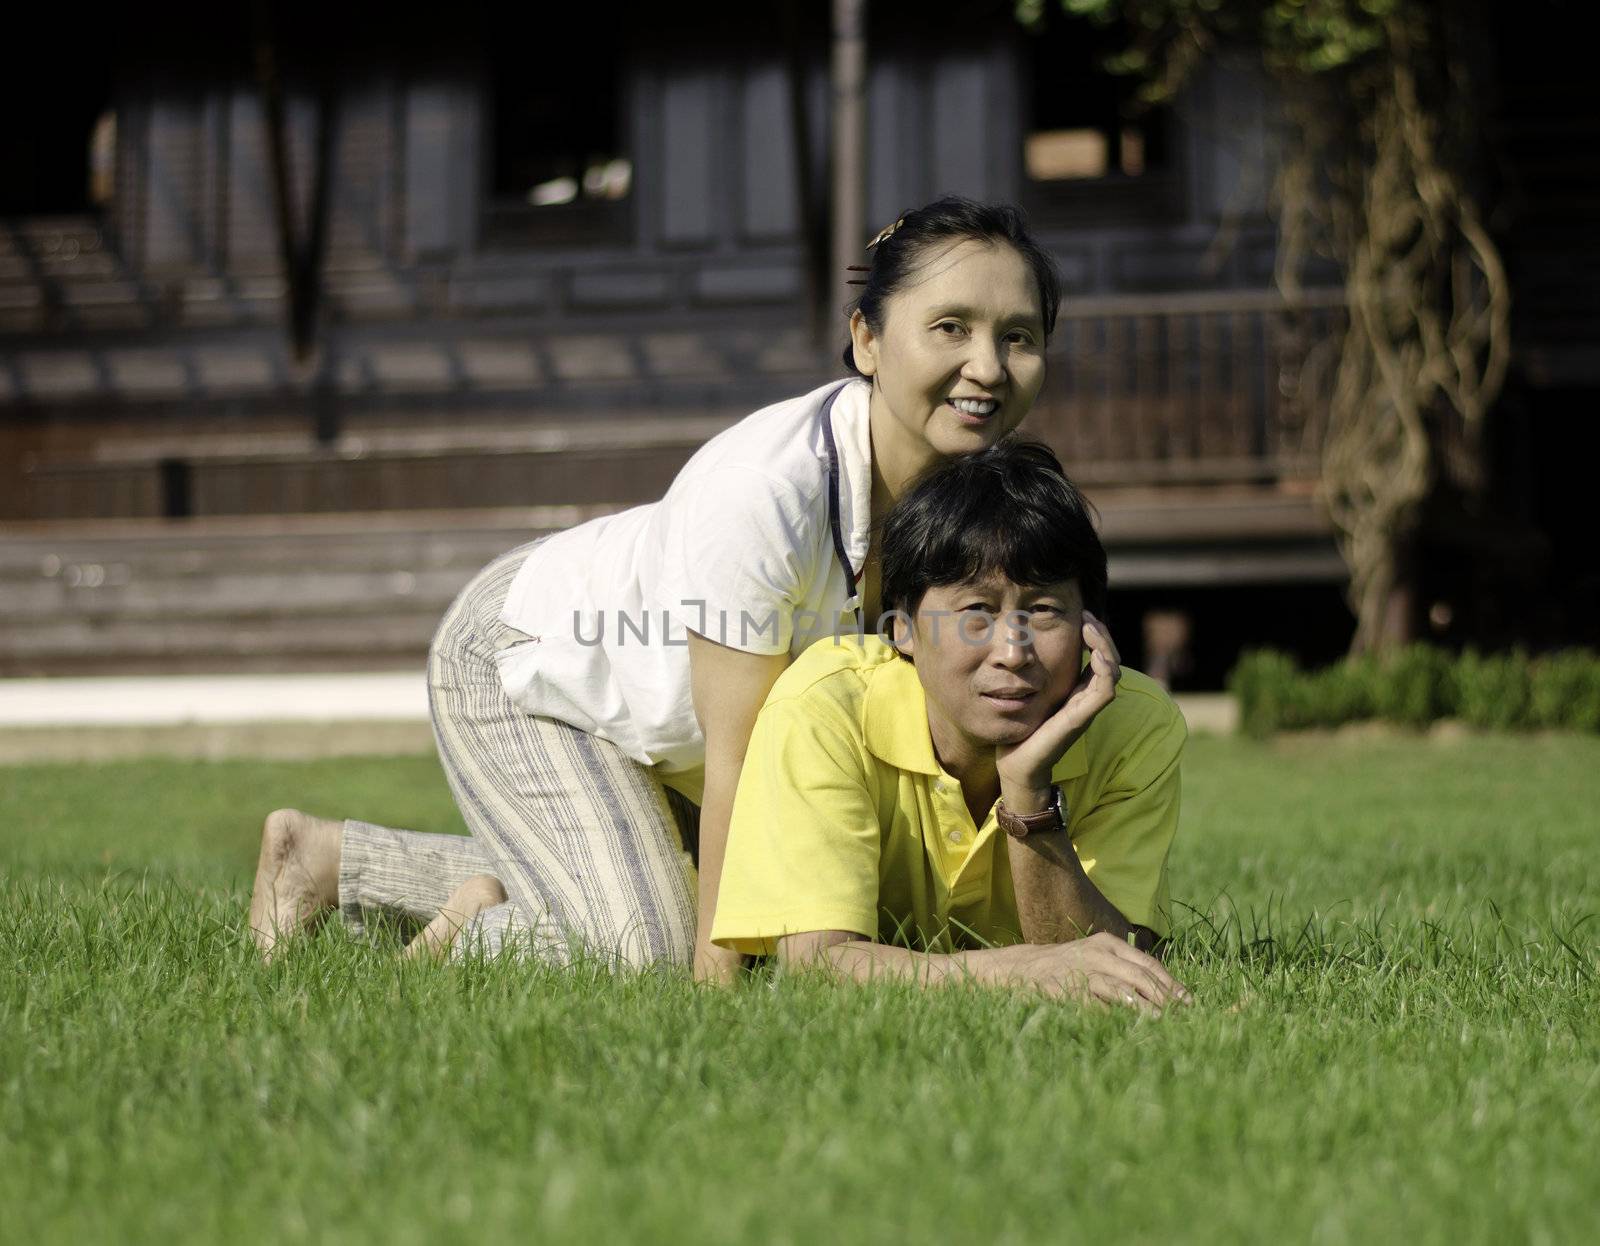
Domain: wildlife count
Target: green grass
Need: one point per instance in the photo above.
(1397, 1039)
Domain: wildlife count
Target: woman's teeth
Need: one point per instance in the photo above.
(972, 406)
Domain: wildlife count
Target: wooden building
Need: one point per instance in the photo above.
(558, 249)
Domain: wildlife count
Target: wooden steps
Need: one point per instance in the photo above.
(366, 591)
(301, 593)
(569, 463)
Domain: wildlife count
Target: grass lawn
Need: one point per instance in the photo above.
(1397, 1039)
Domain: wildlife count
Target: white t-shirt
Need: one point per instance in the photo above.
(739, 550)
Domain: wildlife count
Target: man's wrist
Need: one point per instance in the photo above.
(1028, 796)
(1048, 821)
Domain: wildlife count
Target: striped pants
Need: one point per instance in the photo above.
(591, 848)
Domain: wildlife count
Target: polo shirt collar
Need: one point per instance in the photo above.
(852, 436)
(895, 725)
(894, 722)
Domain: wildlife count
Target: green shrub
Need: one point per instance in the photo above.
(1263, 683)
(1493, 690)
(1419, 685)
(1565, 691)
(1413, 687)
(1337, 694)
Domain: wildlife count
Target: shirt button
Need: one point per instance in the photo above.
(938, 785)
(956, 837)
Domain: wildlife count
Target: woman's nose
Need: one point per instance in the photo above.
(985, 365)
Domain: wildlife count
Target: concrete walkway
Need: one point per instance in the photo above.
(283, 717)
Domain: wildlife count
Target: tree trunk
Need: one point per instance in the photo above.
(301, 256)
(849, 80)
(813, 226)
(1384, 598)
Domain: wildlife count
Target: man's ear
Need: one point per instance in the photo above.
(864, 342)
(901, 634)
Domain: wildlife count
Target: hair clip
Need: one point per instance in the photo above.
(886, 233)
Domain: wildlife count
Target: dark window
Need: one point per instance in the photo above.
(1091, 147)
(58, 146)
(560, 157)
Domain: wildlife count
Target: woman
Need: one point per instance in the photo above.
(591, 689)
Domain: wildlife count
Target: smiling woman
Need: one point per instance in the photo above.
(951, 327)
(593, 693)
(957, 356)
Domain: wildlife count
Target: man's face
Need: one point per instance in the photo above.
(960, 359)
(995, 658)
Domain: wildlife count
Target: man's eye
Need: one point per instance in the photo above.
(948, 327)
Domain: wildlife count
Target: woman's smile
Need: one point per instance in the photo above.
(973, 411)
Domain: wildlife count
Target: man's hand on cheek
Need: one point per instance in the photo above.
(1025, 766)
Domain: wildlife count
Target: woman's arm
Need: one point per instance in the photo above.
(728, 687)
(1100, 967)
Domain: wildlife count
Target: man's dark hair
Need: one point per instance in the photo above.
(1008, 509)
(896, 259)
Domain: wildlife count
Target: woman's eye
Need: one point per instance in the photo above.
(1020, 338)
(948, 327)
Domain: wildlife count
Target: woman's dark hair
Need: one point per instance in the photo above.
(1008, 509)
(896, 259)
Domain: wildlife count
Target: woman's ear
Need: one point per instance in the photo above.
(864, 343)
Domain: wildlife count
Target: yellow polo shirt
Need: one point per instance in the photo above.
(844, 819)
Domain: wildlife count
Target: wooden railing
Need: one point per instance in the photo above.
(1220, 386)
(1143, 390)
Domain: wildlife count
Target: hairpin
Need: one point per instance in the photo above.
(886, 233)
(856, 268)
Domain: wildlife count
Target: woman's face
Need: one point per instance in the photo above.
(960, 357)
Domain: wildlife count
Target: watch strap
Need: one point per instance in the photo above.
(1021, 825)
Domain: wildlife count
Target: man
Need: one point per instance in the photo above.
(972, 800)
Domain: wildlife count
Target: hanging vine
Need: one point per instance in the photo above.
(1372, 174)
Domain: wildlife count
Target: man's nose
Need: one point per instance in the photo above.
(1011, 642)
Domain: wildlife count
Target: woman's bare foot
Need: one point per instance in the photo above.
(482, 891)
(297, 876)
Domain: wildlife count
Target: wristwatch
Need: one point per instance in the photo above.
(1020, 825)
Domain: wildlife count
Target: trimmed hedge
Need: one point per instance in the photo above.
(1418, 685)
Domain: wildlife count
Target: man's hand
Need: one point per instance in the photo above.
(1025, 767)
(1101, 968)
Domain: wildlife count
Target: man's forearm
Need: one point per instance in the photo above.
(1098, 968)
(865, 961)
(1056, 900)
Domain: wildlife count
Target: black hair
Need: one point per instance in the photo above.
(893, 261)
(1009, 509)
